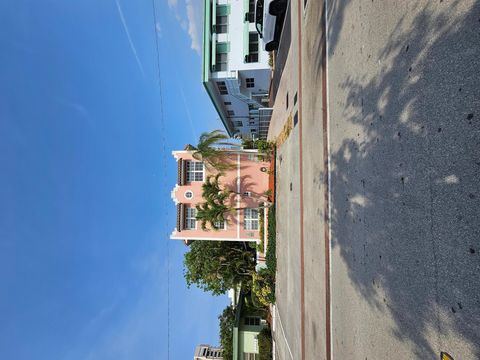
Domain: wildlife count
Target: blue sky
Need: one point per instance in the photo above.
(86, 174)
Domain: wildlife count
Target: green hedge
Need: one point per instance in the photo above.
(271, 256)
(261, 223)
(265, 344)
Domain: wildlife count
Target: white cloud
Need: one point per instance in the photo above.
(194, 25)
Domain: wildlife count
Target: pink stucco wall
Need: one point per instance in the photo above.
(252, 180)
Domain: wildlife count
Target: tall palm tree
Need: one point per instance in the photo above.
(210, 213)
(211, 189)
(214, 211)
(211, 155)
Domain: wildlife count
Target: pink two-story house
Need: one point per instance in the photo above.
(246, 179)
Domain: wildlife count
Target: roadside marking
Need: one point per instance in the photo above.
(300, 129)
(329, 191)
(283, 332)
(328, 208)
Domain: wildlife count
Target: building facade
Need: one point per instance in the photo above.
(246, 329)
(236, 71)
(247, 181)
(207, 352)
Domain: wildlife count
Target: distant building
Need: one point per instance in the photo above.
(247, 179)
(207, 352)
(236, 71)
(247, 327)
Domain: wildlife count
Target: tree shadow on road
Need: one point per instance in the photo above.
(406, 201)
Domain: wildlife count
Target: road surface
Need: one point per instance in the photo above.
(379, 198)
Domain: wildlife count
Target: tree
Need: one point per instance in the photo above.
(211, 212)
(211, 189)
(214, 209)
(226, 323)
(218, 266)
(211, 155)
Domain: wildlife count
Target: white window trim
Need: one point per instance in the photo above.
(224, 225)
(249, 221)
(193, 172)
(189, 218)
(185, 195)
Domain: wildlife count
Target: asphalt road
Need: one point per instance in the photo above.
(402, 184)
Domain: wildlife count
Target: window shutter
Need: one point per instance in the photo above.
(223, 47)
(223, 10)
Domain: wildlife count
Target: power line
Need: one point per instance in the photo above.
(164, 172)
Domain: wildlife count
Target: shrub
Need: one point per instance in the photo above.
(248, 144)
(268, 194)
(271, 256)
(261, 233)
(263, 286)
(265, 344)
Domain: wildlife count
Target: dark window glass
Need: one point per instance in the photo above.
(252, 48)
(222, 87)
(221, 60)
(250, 16)
(221, 26)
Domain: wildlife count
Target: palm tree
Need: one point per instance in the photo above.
(211, 189)
(211, 212)
(214, 210)
(211, 155)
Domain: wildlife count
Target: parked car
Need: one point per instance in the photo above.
(269, 16)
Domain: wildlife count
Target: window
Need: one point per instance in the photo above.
(222, 87)
(188, 194)
(250, 15)
(221, 62)
(238, 123)
(190, 220)
(250, 82)
(227, 103)
(249, 356)
(194, 170)
(252, 321)
(253, 130)
(251, 219)
(251, 122)
(252, 48)
(221, 26)
(220, 225)
(221, 56)
(230, 113)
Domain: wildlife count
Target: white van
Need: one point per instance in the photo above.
(269, 16)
